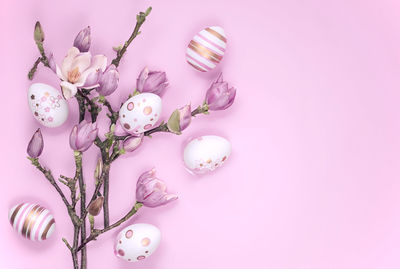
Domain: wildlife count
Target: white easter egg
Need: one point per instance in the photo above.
(137, 242)
(140, 113)
(206, 153)
(206, 49)
(47, 105)
(32, 221)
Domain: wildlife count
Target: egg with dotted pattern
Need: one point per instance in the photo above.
(32, 221)
(47, 105)
(137, 242)
(206, 49)
(206, 153)
(140, 113)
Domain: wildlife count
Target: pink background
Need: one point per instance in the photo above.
(313, 179)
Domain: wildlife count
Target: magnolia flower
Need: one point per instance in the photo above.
(151, 191)
(219, 96)
(108, 81)
(83, 39)
(95, 206)
(35, 146)
(80, 70)
(83, 135)
(180, 119)
(151, 81)
(132, 142)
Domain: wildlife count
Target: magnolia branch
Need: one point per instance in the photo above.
(95, 232)
(140, 19)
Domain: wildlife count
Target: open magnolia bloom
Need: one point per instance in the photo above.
(80, 70)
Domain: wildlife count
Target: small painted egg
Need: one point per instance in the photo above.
(137, 242)
(140, 113)
(206, 49)
(47, 105)
(206, 153)
(32, 221)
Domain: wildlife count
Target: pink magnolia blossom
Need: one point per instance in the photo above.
(151, 81)
(151, 191)
(220, 95)
(80, 70)
(83, 135)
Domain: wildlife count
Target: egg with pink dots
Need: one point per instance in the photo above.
(137, 242)
(140, 113)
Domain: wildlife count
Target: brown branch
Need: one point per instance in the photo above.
(95, 233)
(49, 176)
(82, 188)
(140, 19)
(34, 68)
(76, 221)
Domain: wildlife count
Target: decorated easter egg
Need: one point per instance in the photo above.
(140, 113)
(137, 242)
(32, 221)
(206, 49)
(47, 105)
(206, 153)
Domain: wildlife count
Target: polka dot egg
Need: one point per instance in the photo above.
(47, 105)
(206, 153)
(32, 221)
(206, 49)
(140, 113)
(137, 242)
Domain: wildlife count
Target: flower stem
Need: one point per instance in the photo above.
(81, 103)
(164, 128)
(76, 221)
(43, 59)
(34, 68)
(82, 188)
(106, 194)
(95, 233)
(140, 19)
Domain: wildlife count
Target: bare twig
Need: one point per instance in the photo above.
(95, 233)
(140, 19)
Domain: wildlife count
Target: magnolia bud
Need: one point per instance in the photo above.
(38, 34)
(98, 170)
(95, 206)
(179, 119)
(132, 142)
(82, 40)
(35, 146)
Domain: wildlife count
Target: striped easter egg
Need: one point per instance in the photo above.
(32, 221)
(206, 49)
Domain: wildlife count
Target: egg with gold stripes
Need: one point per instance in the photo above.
(32, 221)
(206, 49)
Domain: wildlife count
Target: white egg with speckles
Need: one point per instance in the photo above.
(137, 242)
(140, 113)
(206, 153)
(47, 105)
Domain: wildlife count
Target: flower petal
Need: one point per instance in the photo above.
(68, 60)
(81, 61)
(68, 90)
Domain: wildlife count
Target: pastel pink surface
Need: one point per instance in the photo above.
(313, 179)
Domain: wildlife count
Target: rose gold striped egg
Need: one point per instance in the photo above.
(206, 49)
(32, 221)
